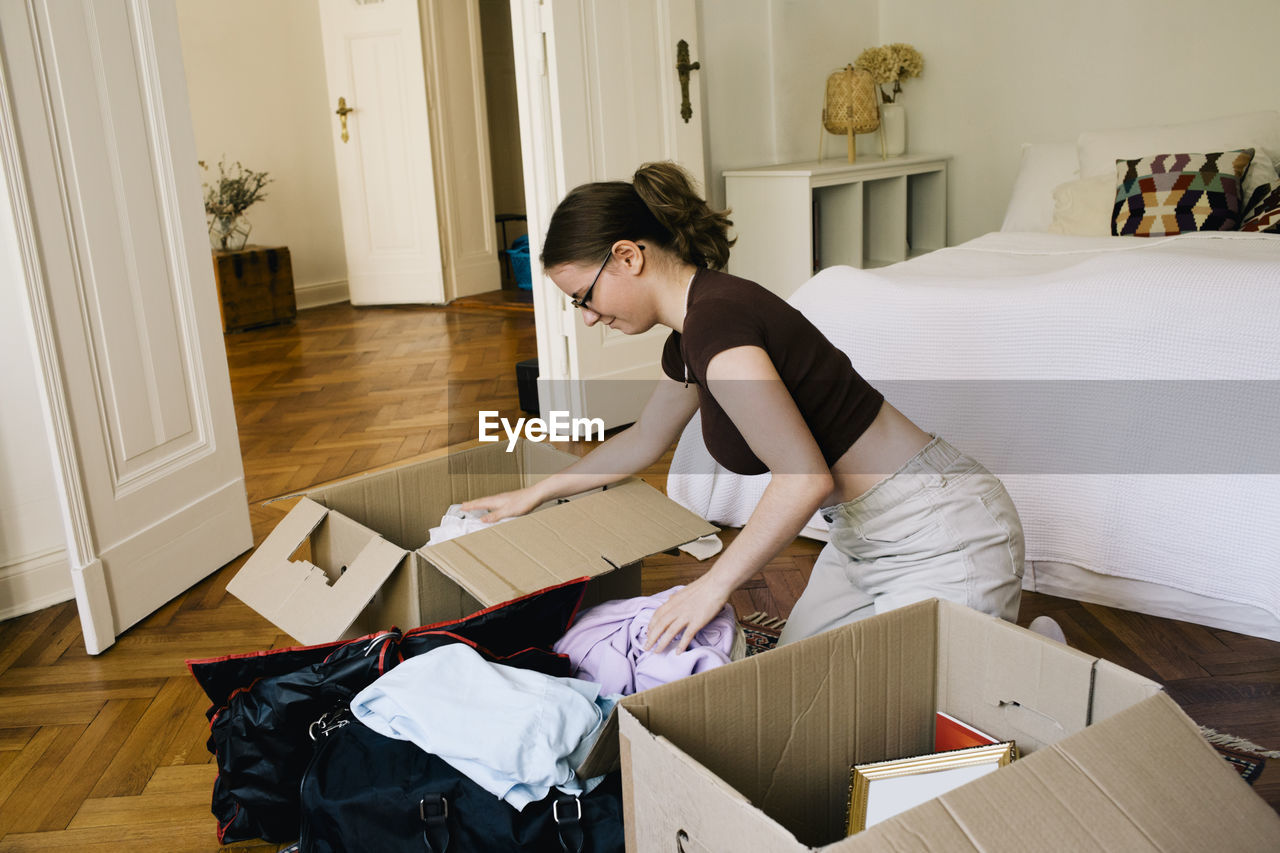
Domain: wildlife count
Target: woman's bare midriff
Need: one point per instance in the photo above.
(890, 441)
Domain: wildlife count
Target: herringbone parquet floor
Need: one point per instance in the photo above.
(107, 753)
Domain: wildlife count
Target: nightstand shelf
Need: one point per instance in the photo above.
(795, 219)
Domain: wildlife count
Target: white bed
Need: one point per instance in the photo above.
(1127, 390)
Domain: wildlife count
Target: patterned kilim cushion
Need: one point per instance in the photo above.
(1167, 194)
(1262, 213)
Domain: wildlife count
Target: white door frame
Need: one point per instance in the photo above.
(555, 101)
(544, 185)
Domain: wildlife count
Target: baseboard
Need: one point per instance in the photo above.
(164, 560)
(35, 583)
(321, 293)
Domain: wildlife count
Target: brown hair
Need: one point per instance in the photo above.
(659, 205)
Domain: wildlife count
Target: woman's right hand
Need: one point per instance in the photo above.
(504, 505)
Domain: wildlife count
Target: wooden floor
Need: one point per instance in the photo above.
(108, 753)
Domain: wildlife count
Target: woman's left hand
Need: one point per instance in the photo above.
(684, 614)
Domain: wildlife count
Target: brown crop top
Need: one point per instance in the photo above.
(724, 311)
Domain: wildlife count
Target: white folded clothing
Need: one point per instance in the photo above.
(516, 733)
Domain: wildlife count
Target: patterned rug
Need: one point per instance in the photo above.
(1246, 757)
(761, 630)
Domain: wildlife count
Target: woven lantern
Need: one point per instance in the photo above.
(850, 107)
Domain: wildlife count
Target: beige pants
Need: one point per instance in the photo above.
(942, 526)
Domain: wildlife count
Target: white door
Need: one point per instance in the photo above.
(373, 63)
(99, 162)
(599, 99)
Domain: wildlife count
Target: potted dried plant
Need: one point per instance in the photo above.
(890, 64)
(226, 200)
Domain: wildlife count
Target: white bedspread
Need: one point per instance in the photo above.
(1124, 389)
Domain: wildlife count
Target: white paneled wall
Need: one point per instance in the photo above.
(765, 66)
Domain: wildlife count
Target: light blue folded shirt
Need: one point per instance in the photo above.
(514, 732)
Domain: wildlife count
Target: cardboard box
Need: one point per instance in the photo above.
(350, 559)
(756, 755)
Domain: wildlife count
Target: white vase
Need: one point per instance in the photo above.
(893, 124)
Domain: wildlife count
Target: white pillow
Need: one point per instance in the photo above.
(1099, 150)
(1084, 207)
(1043, 167)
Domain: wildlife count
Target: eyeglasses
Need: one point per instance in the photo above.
(586, 297)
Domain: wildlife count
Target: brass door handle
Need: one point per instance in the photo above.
(683, 67)
(341, 112)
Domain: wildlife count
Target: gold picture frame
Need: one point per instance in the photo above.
(882, 789)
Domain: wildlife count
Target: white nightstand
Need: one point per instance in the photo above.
(795, 219)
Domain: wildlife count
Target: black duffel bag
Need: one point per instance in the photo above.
(264, 703)
(260, 736)
(364, 791)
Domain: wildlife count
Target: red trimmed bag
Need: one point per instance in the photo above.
(265, 703)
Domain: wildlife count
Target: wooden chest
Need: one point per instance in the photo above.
(255, 286)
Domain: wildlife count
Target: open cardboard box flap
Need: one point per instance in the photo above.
(299, 596)
(585, 537)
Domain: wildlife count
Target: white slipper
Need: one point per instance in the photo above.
(1046, 626)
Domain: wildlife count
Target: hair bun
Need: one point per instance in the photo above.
(660, 204)
(699, 234)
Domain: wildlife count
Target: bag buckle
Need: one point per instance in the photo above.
(432, 808)
(324, 725)
(555, 810)
(569, 826)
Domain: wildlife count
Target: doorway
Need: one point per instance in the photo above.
(264, 102)
(257, 87)
(505, 160)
